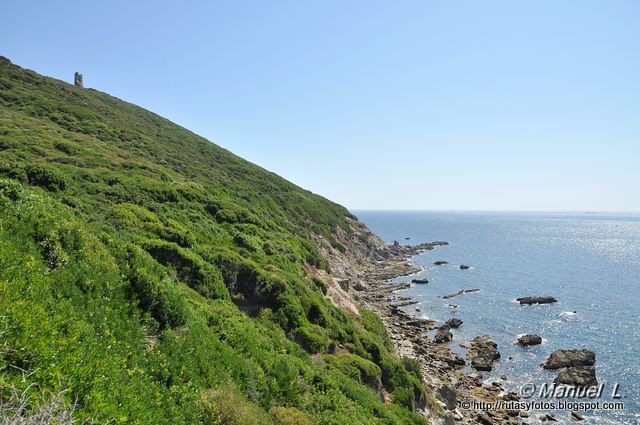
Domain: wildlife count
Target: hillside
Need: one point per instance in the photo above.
(149, 276)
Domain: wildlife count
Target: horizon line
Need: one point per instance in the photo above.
(585, 212)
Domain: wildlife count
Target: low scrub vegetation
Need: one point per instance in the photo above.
(149, 276)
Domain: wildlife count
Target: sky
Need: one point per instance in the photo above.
(424, 105)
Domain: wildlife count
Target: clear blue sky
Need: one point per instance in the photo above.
(476, 105)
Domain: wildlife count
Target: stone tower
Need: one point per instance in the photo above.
(77, 79)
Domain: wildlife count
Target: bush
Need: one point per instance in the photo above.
(199, 275)
(163, 304)
(412, 365)
(46, 177)
(247, 242)
(320, 284)
(11, 189)
(287, 382)
(226, 406)
(312, 338)
(290, 416)
(404, 397)
(66, 148)
(362, 370)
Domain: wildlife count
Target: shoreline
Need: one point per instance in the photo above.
(443, 371)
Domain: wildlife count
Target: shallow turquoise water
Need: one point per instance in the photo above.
(589, 262)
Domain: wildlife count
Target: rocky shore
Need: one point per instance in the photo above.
(362, 276)
(444, 371)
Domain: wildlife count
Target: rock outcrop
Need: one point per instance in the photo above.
(570, 358)
(580, 376)
(527, 340)
(443, 335)
(536, 300)
(420, 281)
(454, 323)
(448, 396)
(483, 353)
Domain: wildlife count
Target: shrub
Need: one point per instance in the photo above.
(163, 304)
(320, 284)
(245, 241)
(362, 370)
(412, 365)
(201, 276)
(290, 416)
(226, 406)
(287, 385)
(46, 177)
(404, 397)
(66, 148)
(11, 189)
(312, 338)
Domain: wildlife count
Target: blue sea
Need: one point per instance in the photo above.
(589, 262)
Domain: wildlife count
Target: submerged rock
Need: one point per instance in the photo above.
(483, 353)
(454, 323)
(446, 297)
(570, 358)
(536, 300)
(527, 340)
(580, 376)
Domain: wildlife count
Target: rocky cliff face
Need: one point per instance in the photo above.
(366, 259)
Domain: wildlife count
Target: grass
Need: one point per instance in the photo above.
(150, 276)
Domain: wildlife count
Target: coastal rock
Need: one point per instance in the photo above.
(580, 376)
(454, 360)
(536, 300)
(464, 267)
(420, 281)
(360, 287)
(576, 416)
(441, 263)
(454, 323)
(485, 419)
(483, 353)
(446, 297)
(570, 358)
(404, 303)
(448, 396)
(443, 335)
(344, 284)
(527, 340)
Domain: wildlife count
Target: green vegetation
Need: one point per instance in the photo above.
(150, 276)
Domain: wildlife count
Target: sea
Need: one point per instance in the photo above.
(590, 262)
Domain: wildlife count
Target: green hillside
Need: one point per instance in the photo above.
(149, 276)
